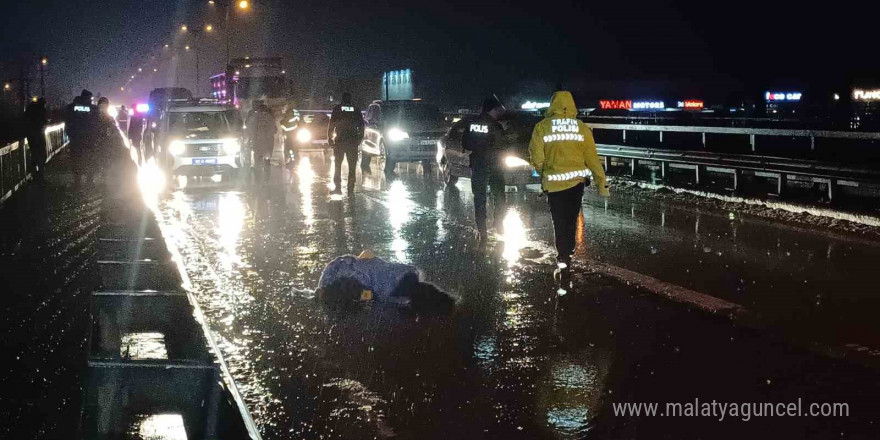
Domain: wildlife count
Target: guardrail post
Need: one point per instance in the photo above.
(605, 158)
(624, 136)
(780, 183)
(632, 168)
(812, 143)
(752, 142)
(697, 173)
(736, 174)
(704, 139)
(663, 170)
(661, 137)
(831, 184)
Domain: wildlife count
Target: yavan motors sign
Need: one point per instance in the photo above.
(627, 104)
(866, 95)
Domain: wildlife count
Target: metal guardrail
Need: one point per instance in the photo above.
(144, 303)
(780, 169)
(742, 131)
(16, 158)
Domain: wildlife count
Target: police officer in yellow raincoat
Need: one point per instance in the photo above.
(563, 152)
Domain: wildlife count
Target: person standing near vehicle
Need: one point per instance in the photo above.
(261, 132)
(345, 133)
(563, 152)
(481, 135)
(136, 134)
(81, 122)
(35, 118)
(290, 119)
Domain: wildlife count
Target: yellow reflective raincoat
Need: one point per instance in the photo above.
(562, 148)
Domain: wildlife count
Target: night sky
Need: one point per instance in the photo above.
(459, 50)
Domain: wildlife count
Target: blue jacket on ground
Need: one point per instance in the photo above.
(376, 274)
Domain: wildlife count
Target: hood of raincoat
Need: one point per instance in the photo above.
(562, 106)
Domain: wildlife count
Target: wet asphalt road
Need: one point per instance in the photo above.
(47, 248)
(514, 360)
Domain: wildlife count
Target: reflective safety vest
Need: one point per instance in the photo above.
(562, 148)
(571, 175)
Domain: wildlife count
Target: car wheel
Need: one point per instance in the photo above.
(388, 164)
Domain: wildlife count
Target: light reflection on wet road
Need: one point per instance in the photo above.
(513, 361)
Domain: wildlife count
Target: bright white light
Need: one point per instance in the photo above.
(529, 105)
(396, 134)
(514, 236)
(113, 111)
(231, 146)
(648, 105)
(561, 292)
(303, 136)
(176, 148)
(167, 426)
(514, 162)
(151, 182)
(783, 96)
(231, 221)
(142, 107)
(306, 180)
(131, 112)
(561, 265)
(216, 178)
(865, 95)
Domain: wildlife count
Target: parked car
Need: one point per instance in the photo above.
(454, 162)
(401, 131)
(200, 137)
(310, 132)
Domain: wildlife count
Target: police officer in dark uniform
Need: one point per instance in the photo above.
(481, 135)
(81, 122)
(345, 133)
(290, 120)
(35, 120)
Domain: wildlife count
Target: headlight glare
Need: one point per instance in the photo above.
(396, 134)
(176, 148)
(231, 146)
(303, 136)
(514, 162)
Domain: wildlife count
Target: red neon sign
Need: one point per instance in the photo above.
(693, 104)
(615, 104)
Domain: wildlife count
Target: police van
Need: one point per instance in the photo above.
(200, 137)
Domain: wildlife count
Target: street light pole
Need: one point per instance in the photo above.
(228, 34)
(43, 62)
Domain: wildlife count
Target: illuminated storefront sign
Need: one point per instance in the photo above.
(529, 105)
(648, 105)
(615, 104)
(626, 104)
(397, 85)
(782, 96)
(866, 95)
(691, 104)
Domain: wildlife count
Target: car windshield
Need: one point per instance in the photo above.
(200, 122)
(412, 111)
